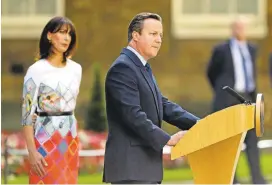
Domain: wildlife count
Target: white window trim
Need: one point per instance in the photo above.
(214, 26)
(27, 27)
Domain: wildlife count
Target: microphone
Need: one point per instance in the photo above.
(236, 95)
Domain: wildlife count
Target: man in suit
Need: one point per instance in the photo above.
(136, 108)
(233, 64)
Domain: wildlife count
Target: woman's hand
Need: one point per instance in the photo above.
(34, 118)
(37, 163)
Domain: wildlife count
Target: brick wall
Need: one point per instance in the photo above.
(102, 31)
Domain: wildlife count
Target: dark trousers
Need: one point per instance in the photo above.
(252, 151)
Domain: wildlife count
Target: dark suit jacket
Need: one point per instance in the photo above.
(221, 73)
(135, 110)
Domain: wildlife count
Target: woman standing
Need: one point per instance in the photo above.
(51, 87)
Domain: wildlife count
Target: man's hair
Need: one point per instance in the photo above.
(137, 22)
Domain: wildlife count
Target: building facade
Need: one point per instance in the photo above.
(191, 29)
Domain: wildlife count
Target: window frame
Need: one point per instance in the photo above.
(214, 26)
(29, 26)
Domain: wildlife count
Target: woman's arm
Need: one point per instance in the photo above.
(30, 92)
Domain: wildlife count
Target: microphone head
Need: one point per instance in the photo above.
(226, 87)
(235, 95)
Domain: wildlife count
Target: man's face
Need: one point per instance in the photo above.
(148, 43)
(239, 29)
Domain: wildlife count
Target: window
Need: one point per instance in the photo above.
(212, 18)
(26, 18)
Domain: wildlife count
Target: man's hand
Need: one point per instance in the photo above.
(175, 138)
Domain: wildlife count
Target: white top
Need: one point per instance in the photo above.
(239, 75)
(50, 89)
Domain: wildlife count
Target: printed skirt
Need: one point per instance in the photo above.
(57, 141)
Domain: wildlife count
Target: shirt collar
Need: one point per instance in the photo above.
(237, 42)
(138, 55)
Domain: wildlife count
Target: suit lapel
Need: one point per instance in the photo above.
(159, 103)
(230, 59)
(252, 58)
(250, 49)
(138, 63)
(151, 85)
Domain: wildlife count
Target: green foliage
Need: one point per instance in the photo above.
(96, 117)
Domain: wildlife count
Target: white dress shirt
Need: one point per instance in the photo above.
(239, 75)
(138, 55)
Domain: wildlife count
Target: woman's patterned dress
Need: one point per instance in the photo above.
(53, 90)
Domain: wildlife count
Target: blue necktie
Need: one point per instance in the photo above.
(149, 70)
(245, 70)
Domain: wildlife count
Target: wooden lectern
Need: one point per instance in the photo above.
(214, 144)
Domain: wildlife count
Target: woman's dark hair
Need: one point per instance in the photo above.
(53, 26)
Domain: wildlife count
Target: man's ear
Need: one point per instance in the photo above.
(135, 35)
